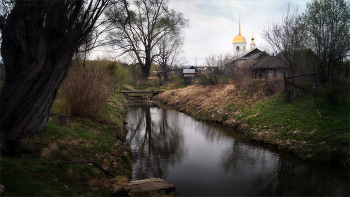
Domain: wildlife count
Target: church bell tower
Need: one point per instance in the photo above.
(239, 42)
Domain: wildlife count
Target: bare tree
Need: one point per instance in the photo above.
(287, 39)
(169, 53)
(150, 21)
(39, 39)
(212, 74)
(84, 49)
(328, 22)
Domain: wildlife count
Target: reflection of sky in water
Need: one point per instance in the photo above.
(208, 159)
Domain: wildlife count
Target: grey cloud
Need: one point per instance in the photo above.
(216, 8)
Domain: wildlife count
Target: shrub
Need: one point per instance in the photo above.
(112, 67)
(334, 90)
(262, 87)
(239, 78)
(273, 86)
(85, 92)
(210, 78)
(120, 75)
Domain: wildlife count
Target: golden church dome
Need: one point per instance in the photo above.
(239, 38)
(252, 40)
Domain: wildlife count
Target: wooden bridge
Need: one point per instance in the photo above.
(139, 91)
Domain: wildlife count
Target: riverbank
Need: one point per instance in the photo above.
(315, 131)
(46, 172)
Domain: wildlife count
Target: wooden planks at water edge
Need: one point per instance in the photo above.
(151, 184)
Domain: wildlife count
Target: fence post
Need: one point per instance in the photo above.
(62, 119)
(285, 84)
(159, 167)
(289, 92)
(316, 77)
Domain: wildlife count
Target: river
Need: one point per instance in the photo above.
(204, 159)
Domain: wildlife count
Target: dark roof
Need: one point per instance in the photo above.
(252, 60)
(269, 62)
(248, 53)
(260, 60)
(255, 59)
(244, 56)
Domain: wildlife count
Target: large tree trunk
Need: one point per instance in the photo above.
(165, 75)
(38, 42)
(147, 66)
(33, 76)
(25, 104)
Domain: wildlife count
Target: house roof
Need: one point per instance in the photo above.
(248, 53)
(252, 60)
(244, 56)
(257, 59)
(269, 62)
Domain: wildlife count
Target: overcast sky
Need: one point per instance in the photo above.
(214, 23)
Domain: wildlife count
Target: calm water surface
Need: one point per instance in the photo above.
(204, 159)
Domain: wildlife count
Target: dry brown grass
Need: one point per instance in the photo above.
(220, 103)
(201, 96)
(206, 102)
(85, 92)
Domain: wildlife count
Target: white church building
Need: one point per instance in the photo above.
(240, 44)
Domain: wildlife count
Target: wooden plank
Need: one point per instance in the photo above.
(300, 75)
(154, 92)
(316, 77)
(290, 83)
(151, 184)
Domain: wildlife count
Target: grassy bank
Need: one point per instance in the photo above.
(43, 172)
(316, 131)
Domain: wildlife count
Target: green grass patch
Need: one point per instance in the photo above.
(42, 173)
(313, 130)
(224, 117)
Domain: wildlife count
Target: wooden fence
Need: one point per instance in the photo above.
(287, 83)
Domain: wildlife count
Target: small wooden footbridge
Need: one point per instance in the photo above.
(141, 92)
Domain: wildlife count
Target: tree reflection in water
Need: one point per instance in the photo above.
(152, 134)
(276, 175)
(207, 159)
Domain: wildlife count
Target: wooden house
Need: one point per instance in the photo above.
(261, 65)
(268, 67)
